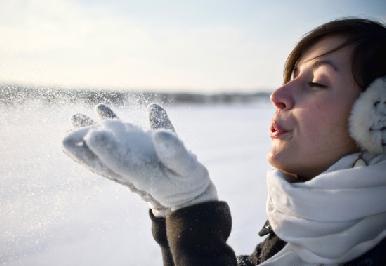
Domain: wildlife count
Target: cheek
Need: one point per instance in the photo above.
(324, 131)
(310, 122)
(313, 125)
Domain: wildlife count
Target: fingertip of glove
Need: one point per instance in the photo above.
(74, 137)
(81, 120)
(105, 111)
(67, 142)
(158, 117)
(154, 107)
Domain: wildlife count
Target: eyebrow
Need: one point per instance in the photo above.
(317, 64)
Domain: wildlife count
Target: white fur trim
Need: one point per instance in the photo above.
(367, 123)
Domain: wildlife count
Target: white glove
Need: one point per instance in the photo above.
(76, 148)
(155, 162)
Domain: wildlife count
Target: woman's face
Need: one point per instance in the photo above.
(309, 130)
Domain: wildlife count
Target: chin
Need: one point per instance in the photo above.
(277, 161)
(277, 158)
(284, 165)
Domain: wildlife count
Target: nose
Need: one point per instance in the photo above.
(283, 98)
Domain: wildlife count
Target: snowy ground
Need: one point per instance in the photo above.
(55, 212)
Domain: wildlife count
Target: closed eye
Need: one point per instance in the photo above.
(316, 85)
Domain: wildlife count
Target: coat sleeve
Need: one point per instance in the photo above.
(195, 235)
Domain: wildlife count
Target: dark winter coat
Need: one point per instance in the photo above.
(197, 235)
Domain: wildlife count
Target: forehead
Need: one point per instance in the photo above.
(340, 57)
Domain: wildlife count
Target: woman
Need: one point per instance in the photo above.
(327, 192)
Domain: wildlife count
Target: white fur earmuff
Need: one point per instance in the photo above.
(367, 122)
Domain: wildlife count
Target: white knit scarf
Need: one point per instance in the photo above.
(331, 219)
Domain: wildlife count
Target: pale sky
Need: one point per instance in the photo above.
(197, 45)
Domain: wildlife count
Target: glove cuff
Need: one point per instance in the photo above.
(209, 194)
(159, 213)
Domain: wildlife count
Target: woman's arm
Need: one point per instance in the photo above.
(196, 235)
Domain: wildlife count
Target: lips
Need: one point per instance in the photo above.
(277, 131)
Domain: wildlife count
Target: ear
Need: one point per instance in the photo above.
(367, 122)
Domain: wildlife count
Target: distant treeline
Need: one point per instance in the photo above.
(12, 94)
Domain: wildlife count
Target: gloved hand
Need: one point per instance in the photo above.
(153, 162)
(76, 148)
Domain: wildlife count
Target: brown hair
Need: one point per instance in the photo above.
(368, 38)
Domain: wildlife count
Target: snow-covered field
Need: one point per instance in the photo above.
(55, 212)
